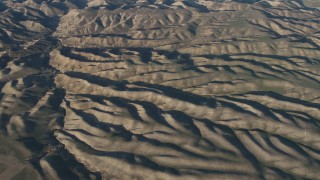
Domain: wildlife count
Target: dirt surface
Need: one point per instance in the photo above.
(159, 89)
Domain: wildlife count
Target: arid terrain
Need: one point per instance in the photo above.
(159, 89)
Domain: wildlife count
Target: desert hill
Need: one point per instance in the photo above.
(159, 89)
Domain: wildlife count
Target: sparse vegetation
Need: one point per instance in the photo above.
(159, 89)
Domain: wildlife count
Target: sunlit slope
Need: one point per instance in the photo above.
(163, 89)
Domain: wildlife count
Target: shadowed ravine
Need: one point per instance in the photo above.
(159, 89)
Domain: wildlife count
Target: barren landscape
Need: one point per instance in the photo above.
(159, 89)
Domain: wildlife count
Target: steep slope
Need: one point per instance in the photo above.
(181, 89)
